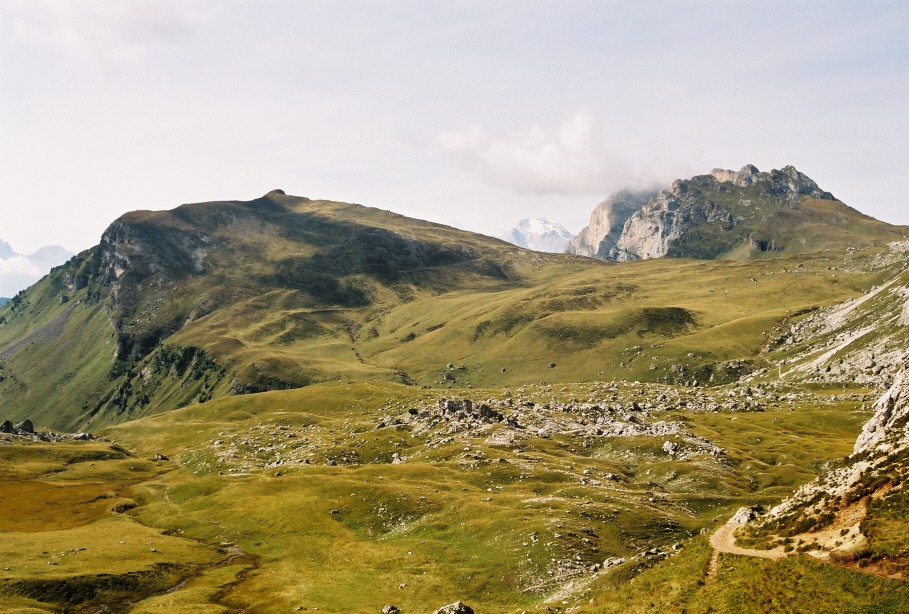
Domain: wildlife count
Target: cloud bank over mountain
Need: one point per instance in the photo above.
(18, 272)
(573, 158)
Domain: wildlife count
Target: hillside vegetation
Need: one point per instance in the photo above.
(303, 405)
(214, 299)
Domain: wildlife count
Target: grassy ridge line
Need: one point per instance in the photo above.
(274, 292)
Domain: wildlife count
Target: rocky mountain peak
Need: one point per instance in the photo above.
(743, 177)
(709, 216)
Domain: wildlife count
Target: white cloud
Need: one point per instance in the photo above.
(570, 159)
(107, 30)
(573, 159)
(17, 273)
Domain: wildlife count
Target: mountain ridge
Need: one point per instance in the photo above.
(236, 297)
(729, 214)
(566, 426)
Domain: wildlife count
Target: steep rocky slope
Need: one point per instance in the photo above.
(855, 513)
(738, 214)
(861, 340)
(607, 221)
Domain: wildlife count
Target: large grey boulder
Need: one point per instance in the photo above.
(25, 426)
(457, 607)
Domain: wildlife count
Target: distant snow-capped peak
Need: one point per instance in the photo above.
(539, 234)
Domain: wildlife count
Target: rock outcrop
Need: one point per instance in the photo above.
(707, 216)
(888, 430)
(607, 221)
(831, 512)
(457, 607)
(711, 207)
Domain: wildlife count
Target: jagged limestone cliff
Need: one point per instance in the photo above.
(607, 221)
(745, 213)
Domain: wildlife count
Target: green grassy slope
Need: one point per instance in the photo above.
(214, 299)
(746, 223)
(334, 523)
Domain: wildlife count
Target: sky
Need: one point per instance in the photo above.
(470, 113)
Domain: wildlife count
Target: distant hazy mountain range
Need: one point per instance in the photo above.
(539, 234)
(18, 271)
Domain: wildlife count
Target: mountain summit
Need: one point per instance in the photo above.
(539, 234)
(739, 214)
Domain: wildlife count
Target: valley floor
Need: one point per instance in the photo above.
(347, 497)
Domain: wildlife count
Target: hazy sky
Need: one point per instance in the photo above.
(474, 114)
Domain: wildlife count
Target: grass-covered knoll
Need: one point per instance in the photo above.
(269, 281)
(65, 539)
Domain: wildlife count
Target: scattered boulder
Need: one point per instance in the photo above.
(25, 426)
(457, 607)
(6, 427)
(744, 515)
(161, 457)
(82, 436)
(391, 609)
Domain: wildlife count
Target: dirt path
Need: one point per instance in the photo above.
(723, 540)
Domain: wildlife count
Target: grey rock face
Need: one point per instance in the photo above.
(888, 427)
(648, 232)
(607, 221)
(636, 226)
(25, 426)
(457, 607)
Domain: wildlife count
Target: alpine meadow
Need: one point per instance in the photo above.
(288, 404)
